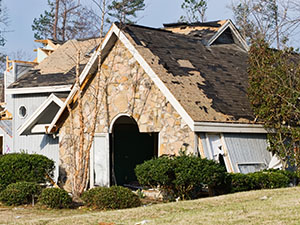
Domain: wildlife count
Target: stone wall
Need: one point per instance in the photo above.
(128, 90)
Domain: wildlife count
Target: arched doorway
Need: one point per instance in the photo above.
(129, 148)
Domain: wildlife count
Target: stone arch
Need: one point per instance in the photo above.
(129, 147)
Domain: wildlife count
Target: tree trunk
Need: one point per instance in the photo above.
(64, 26)
(55, 20)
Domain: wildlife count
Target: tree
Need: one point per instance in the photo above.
(195, 10)
(271, 20)
(4, 22)
(275, 96)
(82, 137)
(125, 10)
(65, 19)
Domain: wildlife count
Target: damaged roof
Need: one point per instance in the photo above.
(203, 31)
(210, 82)
(59, 67)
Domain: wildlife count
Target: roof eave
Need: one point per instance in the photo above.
(211, 127)
(44, 89)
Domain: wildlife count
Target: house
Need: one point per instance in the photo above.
(182, 87)
(35, 91)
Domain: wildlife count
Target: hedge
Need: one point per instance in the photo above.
(17, 167)
(115, 197)
(20, 193)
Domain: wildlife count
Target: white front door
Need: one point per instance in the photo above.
(100, 167)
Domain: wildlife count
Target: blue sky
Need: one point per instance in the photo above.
(157, 12)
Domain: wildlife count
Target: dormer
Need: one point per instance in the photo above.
(210, 33)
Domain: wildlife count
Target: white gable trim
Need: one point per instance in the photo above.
(228, 128)
(42, 107)
(45, 89)
(235, 32)
(82, 77)
(157, 81)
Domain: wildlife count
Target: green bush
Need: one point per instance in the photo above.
(55, 198)
(183, 175)
(259, 180)
(268, 180)
(2, 187)
(115, 197)
(292, 175)
(17, 167)
(240, 182)
(20, 193)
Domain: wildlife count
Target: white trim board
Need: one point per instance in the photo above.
(45, 89)
(229, 128)
(40, 109)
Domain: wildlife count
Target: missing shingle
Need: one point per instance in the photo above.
(185, 63)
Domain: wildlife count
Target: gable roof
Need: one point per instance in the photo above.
(43, 115)
(58, 68)
(210, 82)
(205, 84)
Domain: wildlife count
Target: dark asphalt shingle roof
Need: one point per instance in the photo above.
(210, 82)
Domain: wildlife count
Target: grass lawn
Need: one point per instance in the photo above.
(279, 206)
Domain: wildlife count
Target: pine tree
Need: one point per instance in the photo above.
(64, 20)
(195, 11)
(125, 10)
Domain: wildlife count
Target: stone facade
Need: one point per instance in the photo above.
(127, 90)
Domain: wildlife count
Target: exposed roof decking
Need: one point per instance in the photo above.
(58, 68)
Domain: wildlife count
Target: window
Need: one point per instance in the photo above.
(22, 111)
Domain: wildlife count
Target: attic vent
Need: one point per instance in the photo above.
(185, 63)
(22, 111)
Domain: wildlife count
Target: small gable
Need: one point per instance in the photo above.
(38, 122)
(227, 37)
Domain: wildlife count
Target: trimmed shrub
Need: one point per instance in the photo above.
(17, 167)
(268, 180)
(240, 182)
(292, 175)
(20, 193)
(115, 197)
(259, 180)
(55, 198)
(183, 175)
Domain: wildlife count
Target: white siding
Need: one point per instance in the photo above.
(40, 144)
(247, 152)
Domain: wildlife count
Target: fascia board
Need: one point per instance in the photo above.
(229, 128)
(33, 90)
